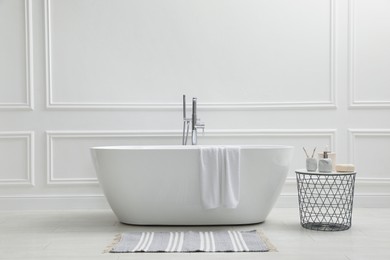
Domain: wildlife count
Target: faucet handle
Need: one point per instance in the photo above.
(200, 125)
(203, 130)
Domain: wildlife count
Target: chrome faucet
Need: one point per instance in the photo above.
(194, 121)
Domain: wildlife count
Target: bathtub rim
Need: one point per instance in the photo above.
(187, 147)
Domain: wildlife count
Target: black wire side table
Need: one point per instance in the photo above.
(325, 200)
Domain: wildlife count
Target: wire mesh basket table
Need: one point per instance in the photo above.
(325, 200)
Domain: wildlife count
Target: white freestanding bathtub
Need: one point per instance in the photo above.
(159, 185)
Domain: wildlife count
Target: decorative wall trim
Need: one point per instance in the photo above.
(29, 138)
(330, 104)
(53, 135)
(355, 133)
(201, 106)
(275, 132)
(48, 62)
(353, 103)
(29, 104)
(332, 54)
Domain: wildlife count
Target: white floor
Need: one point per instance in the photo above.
(85, 235)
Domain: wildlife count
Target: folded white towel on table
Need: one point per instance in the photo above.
(220, 176)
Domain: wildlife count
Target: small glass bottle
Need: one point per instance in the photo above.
(325, 164)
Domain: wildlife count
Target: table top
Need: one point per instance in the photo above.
(304, 171)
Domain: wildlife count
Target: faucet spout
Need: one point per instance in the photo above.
(194, 137)
(194, 117)
(186, 122)
(194, 121)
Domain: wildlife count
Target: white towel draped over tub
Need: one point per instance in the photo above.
(220, 176)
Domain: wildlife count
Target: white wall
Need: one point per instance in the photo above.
(80, 73)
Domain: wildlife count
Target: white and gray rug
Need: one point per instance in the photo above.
(191, 241)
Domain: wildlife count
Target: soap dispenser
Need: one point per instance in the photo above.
(331, 155)
(325, 164)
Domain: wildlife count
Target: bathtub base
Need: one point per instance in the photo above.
(242, 215)
(195, 225)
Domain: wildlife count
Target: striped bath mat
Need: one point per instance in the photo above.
(190, 241)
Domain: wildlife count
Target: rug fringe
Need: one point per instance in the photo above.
(271, 247)
(114, 242)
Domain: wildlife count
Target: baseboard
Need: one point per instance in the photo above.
(53, 202)
(72, 202)
(359, 201)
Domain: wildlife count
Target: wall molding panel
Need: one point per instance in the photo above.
(75, 136)
(28, 104)
(368, 150)
(354, 101)
(54, 104)
(376, 136)
(27, 156)
(313, 137)
(98, 138)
